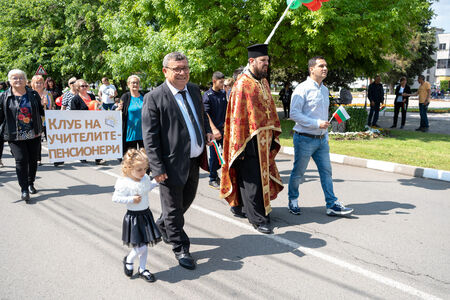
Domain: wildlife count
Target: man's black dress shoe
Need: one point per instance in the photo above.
(25, 196)
(263, 228)
(186, 261)
(127, 272)
(147, 276)
(237, 212)
(32, 189)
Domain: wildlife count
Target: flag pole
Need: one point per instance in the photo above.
(278, 23)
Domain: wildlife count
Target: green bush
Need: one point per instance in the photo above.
(444, 85)
(358, 118)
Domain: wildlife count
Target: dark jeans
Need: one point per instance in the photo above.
(374, 110)
(175, 201)
(107, 106)
(26, 155)
(423, 115)
(397, 107)
(1, 146)
(132, 145)
(214, 163)
(286, 107)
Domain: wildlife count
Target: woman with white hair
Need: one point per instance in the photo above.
(21, 114)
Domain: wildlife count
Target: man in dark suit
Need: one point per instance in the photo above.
(176, 131)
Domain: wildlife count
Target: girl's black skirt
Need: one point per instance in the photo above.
(139, 229)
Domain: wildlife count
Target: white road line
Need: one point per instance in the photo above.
(333, 260)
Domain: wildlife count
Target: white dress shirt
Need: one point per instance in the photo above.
(309, 107)
(196, 150)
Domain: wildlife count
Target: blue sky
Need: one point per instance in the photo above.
(442, 17)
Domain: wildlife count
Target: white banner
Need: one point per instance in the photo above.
(83, 134)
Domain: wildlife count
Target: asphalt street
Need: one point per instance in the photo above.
(67, 244)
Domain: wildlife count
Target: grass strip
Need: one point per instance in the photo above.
(428, 150)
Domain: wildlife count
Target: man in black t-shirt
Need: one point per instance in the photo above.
(215, 103)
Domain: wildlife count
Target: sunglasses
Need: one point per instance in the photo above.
(84, 85)
(72, 82)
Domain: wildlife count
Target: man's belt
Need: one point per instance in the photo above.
(311, 135)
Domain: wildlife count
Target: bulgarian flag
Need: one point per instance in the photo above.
(340, 115)
(219, 155)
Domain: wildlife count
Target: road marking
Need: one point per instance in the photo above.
(333, 260)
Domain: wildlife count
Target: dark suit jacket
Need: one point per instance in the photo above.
(407, 90)
(165, 134)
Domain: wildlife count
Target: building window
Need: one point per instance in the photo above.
(442, 46)
(442, 63)
(428, 77)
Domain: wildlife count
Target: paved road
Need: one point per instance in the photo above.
(67, 243)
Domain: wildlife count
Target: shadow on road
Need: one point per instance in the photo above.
(227, 254)
(75, 190)
(428, 184)
(281, 217)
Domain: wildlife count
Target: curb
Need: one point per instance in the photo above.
(383, 166)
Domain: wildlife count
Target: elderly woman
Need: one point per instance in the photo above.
(67, 96)
(81, 98)
(131, 107)
(21, 114)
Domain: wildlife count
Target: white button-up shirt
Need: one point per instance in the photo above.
(196, 150)
(309, 107)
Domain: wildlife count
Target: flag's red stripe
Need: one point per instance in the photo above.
(338, 118)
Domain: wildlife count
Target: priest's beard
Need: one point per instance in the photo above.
(260, 73)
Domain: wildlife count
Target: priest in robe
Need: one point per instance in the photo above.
(250, 178)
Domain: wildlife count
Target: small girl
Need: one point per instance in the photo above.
(139, 229)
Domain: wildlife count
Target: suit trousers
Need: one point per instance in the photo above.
(26, 154)
(175, 201)
(397, 107)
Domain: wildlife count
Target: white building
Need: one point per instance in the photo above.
(441, 70)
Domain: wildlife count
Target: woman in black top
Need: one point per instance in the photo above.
(401, 101)
(21, 124)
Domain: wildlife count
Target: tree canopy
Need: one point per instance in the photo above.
(91, 39)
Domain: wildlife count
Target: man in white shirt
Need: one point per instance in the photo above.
(107, 92)
(309, 110)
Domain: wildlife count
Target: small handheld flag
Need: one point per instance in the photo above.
(340, 115)
(219, 155)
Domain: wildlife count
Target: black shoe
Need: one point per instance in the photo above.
(83, 161)
(25, 196)
(375, 125)
(58, 163)
(213, 184)
(127, 272)
(237, 212)
(401, 127)
(394, 126)
(424, 129)
(185, 260)
(263, 228)
(419, 129)
(99, 162)
(32, 189)
(147, 276)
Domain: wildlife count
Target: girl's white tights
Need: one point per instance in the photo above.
(135, 252)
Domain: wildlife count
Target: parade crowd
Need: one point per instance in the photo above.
(166, 133)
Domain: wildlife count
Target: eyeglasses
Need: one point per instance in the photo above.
(17, 79)
(72, 82)
(179, 70)
(134, 82)
(84, 85)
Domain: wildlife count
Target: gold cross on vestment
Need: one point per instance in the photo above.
(268, 113)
